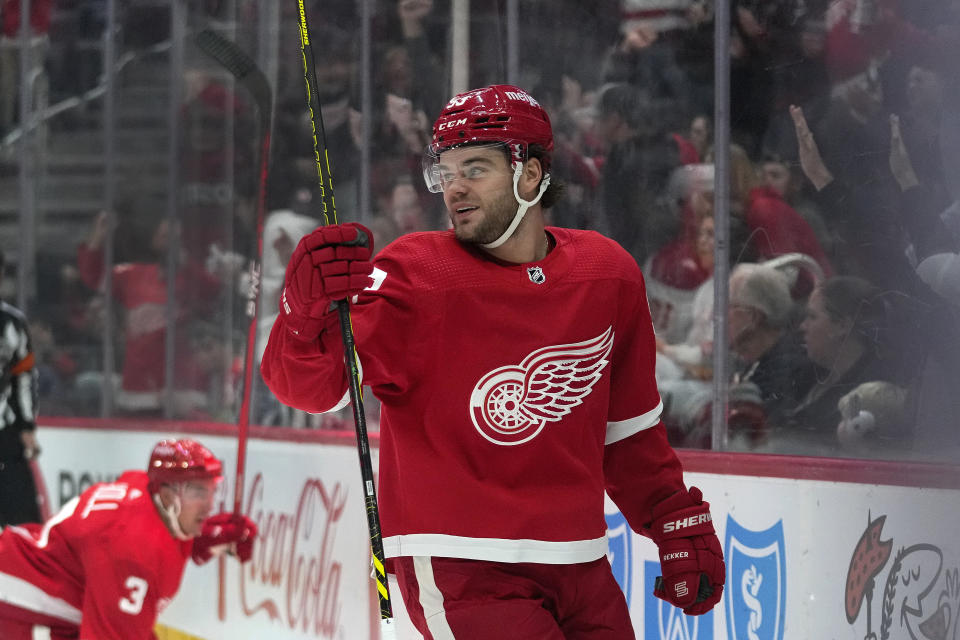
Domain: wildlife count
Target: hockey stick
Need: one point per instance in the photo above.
(248, 74)
(329, 206)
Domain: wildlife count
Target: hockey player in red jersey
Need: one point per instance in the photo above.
(514, 363)
(112, 559)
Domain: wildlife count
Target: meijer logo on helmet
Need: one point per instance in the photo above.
(520, 95)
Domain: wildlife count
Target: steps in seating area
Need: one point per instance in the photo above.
(69, 178)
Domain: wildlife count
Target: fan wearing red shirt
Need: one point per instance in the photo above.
(515, 367)
(112, 559)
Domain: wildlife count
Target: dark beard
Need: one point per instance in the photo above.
(500, 214)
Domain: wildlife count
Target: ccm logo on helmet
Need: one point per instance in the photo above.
(451, 124)
(522, 96)
(683, 523)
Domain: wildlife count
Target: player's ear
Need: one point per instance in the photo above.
(166, 493)
(530, 176)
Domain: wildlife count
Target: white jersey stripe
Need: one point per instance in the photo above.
(495, 549)
(625, 428)
(20, 593)
(431, 599)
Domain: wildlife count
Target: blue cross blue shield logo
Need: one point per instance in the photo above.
(620, 551)
(663, 621)
(756, 582)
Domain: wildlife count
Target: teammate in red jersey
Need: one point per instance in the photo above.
(112, 559)
(515, 367)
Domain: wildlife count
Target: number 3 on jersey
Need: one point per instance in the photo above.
(134, 600)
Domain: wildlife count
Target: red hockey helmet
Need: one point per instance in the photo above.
(175, 461)
(500, 113)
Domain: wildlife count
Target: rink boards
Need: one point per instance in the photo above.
(815, 548)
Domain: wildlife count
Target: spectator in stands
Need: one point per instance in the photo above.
(770, 371)
(852, 128)
(775, 228)
(921, 127)
(335, 53)
(926, 336)
(640, 157)
(693, 143)
(761, 333)
(139, 285)
(406, 208)
(802, 78)
(413, 39)
(407, 85)
(785, 179)
(674, 275)
(643, 58)
(842, 326)
(665, 46)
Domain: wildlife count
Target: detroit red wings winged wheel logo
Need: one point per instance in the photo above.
(510, 405)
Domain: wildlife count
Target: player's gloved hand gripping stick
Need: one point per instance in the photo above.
(339, 277)
(329, 264)
(690, 556)
(233, 533)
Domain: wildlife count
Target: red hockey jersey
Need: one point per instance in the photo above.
(106, 564)
(511, 396)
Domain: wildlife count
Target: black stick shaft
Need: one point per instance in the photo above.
(329, 211)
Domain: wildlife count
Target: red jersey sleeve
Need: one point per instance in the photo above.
(634, 398)
(640, 467)
(641, 471)
(292, 368)
(389, 327)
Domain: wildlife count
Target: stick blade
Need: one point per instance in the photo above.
(226, 53)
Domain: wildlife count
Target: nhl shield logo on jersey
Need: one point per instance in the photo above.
(536, 275)
(510, 405)
(757, 582)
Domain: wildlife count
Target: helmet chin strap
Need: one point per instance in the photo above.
(171, 515)
(522, 209)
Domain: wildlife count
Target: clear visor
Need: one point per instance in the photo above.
(472, 162)
(205, 489)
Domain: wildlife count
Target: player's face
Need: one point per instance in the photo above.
(478, 193)
(196, 504)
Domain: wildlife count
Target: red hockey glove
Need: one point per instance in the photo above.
(330, 263)
(231, 532)
(690, 556)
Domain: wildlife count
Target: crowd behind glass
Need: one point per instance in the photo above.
(844, 224)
